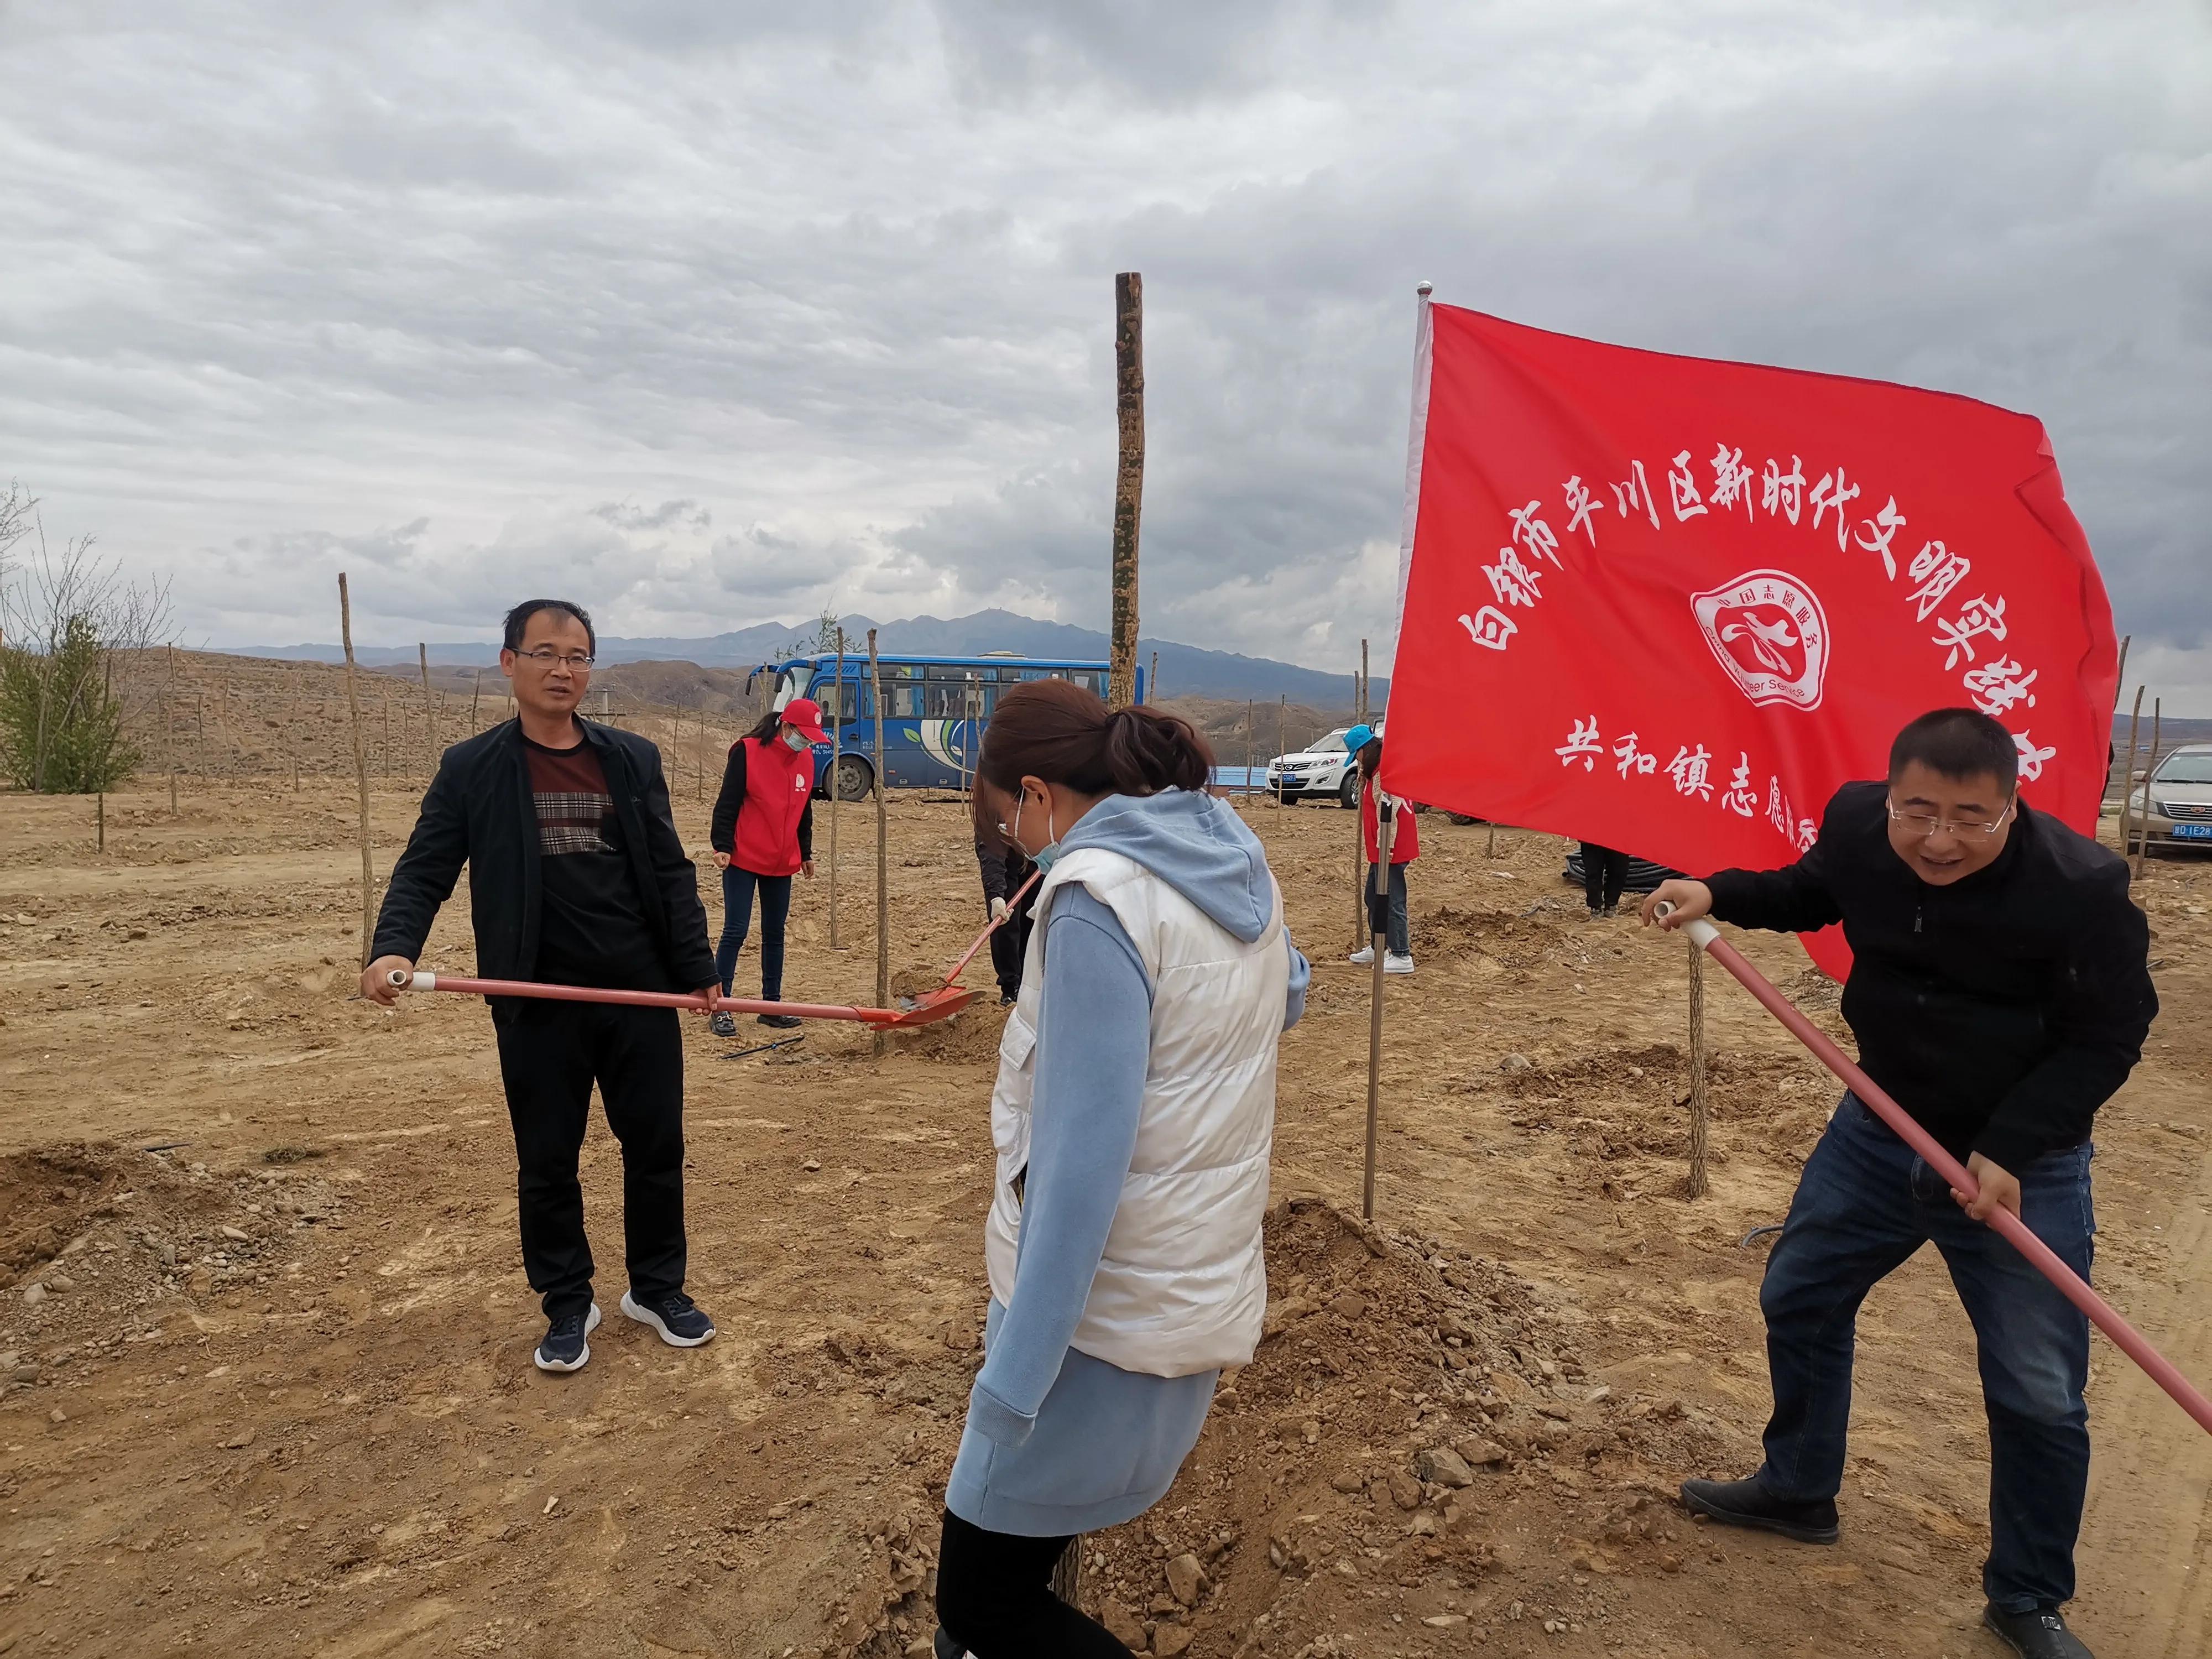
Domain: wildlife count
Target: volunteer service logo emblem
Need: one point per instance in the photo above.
(1768, 631)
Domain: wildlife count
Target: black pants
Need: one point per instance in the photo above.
(1010, 945)
(1605, 873)
(549, 1053)
(994, 1598)
(737, 919)
(1396, 941)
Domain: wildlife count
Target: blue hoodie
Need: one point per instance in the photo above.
(1058, 1441)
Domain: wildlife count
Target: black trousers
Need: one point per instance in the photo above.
(1605, 873)
(1010, 947)
(994, 1598)
(550, 1055)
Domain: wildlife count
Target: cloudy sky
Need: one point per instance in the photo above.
(711, 316)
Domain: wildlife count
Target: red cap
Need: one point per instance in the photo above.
(806, 715)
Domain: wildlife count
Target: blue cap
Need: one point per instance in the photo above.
(1358, 738)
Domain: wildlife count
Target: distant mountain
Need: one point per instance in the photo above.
(1185, 669)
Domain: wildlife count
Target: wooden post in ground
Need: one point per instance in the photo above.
(1695, 1186)
(836, 782)
(1379, 943)
(1128, 481)
(2128, 777)
(429, 721)
(883, 850)
(360, 772)
(1247, 791)
(2150, 765)
(169, 729)
(475, 696)
(1153, 682)
(1282, 717)
(1352, 764)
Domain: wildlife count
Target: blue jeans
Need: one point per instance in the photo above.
(737, 920)
(1867, 1202)
(1395, 938)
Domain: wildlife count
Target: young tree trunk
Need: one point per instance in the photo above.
(1128, 481)
(360, 772)
(1695, 1186)
(836, 784)
(883, 852)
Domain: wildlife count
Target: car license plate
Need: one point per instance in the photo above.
(2193, 831)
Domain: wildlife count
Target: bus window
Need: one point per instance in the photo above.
(1090, 679)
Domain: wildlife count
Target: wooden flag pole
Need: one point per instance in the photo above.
(883, 849)
(2128, 778)
(836, 783)
(1698, 1107)
(1128, 481)
(360, 772)
(1351, 762)
(1379, 943)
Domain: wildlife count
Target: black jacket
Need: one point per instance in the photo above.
(479, 811)
(1005, 868)
(2001, 1010)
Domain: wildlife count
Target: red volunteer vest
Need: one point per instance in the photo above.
(777, 785)
(1405, 836)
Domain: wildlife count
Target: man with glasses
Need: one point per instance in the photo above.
(576, 876)
(2000, 991)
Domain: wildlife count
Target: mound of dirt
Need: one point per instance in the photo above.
(1400, 1395)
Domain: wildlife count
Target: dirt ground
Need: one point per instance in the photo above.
(266, 1390)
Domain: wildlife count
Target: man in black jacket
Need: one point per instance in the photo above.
(576, 876)
(2000, 992)
(1005, 869)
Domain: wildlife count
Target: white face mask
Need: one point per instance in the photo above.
(795, 737)
(1044, 855)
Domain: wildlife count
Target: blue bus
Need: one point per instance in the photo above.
(936, 710)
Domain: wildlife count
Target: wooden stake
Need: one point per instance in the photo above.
(360, 772)
(1282, 715)
(2142, 833)
(169, 729)
(1152, 681)
(1248, 748)
(475, 696)
(2120, 678)
(100, 813)
(429, 720)
(1128, 480)
(1379, 943)
(836, 784)
(2128, 777)
(1695, 1186)
(883, 851)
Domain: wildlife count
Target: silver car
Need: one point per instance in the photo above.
(2175, 804)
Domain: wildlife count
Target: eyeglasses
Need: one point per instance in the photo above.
(575, 662)
(1919, 824)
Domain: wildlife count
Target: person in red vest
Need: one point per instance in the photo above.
(1367, 746)
(763, 835)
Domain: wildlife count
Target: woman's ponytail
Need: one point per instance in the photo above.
(1147, 751)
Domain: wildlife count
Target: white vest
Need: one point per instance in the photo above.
(1183, 1287)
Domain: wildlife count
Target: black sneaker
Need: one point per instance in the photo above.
(1006, 999)
(567, 1346)
(781, 1022)
(944, 1647)
(675, 1315)
(722, 1023)
(1747, 1504)
(2041, 1634)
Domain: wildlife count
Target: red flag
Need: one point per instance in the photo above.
(1670, 605)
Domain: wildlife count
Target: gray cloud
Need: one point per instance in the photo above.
(716, 312)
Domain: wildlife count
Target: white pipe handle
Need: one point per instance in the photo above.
(400, 979)
(1701, 931)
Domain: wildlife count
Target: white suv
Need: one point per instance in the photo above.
(1321, 767)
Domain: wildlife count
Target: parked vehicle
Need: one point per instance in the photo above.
(936, 710)
(2174, 804)
(1320, 768)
